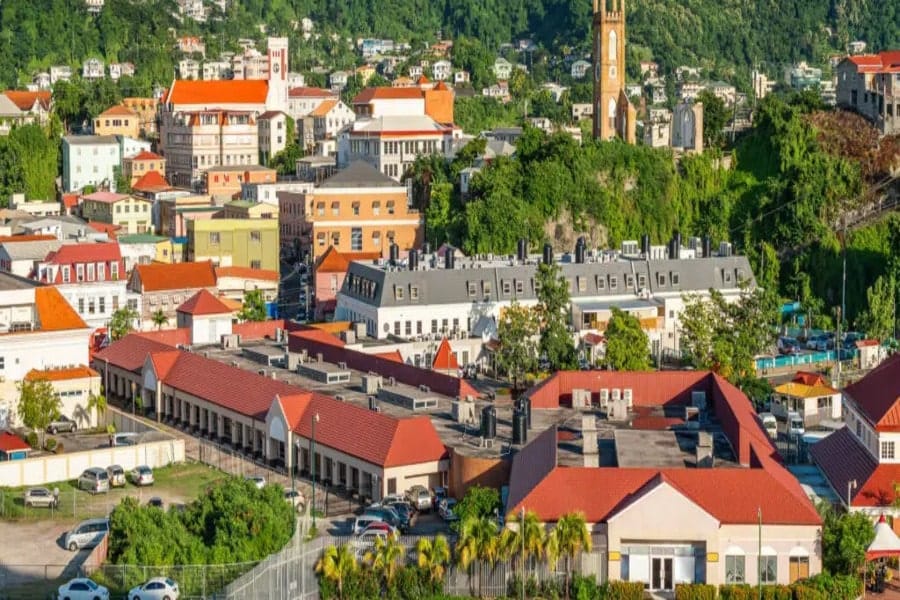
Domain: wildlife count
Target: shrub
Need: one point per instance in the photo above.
(32, 439)
(583, 587)
(50, 444)
(695, 591)
(623, 590)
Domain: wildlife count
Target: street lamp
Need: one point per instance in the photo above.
(851, 485)
(312, 457)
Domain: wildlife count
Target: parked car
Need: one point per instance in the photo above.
(124, 439)
(141, 475)
(769, 423)
(373, 532)
(95, 480)
(419, 497)
(158, 588)
(390, 499)
(62, 423)
(788, 345)
(296, 498)
(406, 513)
(116, 475)
(40, 496)
(445, 510)
(362, 522)
(87, 534)
(812, 343)
(257, 480)
(438, 494)
(82, 589)
(156, 501)
(387, 515)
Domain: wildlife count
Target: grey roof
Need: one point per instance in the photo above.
(359, 174)
(89, 140)
(590, 280)
(8, 281)
(495, 148)
(33, 250)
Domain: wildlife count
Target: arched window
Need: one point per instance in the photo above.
(611, 114)
(613, 45)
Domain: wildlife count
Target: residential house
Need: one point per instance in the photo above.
(272, 134)
(41, 80)
(146, 109)
(166, 286)
(316, 169)
(502, 69)
(19, 107)
(762, 85)
(329, 118)
(152, 186)
(869, 85)
(234, 282)
(649, 69)
(365, 73)
(189, 69)
(215, 70)
(119, 70)
(441, 70)
(461, 77)
(224, 182)
(871, 353)
(137, 166)
(118, 120)
(811, 396)
(582, 111)
(130, 213)
(658, 94)
(131, 146)
(415, 72)
(60, 73)
(92, 69)
(329, 272)
(359, 209)
(89, 160)
(243, 235)
(580, 68)
(20, 255)
(268, 192)
(176, 211)
(35, 208)
(63, 228)
(338, 80)
(94, 6)
(857, 47)
(190, 44)
(555, 90)
(40, 331)
(206, 317)
(144, 249)
(304, 100)
(91, 277)
(860, 461)
(498, 91)
(726, 92)
(73, 386)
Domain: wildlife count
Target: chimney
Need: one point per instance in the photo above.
(548, 254)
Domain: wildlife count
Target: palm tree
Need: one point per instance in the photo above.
(337, 563)
(477, 542)
(96, 402)
(568, 539)
(433, 555)
(384, 560)
(159, 318)
(532, 530)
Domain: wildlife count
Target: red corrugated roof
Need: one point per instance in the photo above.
(883, 62)
(79, 372)
(807, 378)
(203, 303)
(151, 181)
(387, 93)
(129, 353)
(10, 442)
(5, 239)
(843, 458)
(444, 359)
(310, 92)
(648, 389)
(732, 496)
(247, 273)
(878, 394)
(213, 93)
(107, 228)
(176, 276)
(146, 155)
(87, 252)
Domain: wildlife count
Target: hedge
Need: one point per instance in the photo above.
(695, 591)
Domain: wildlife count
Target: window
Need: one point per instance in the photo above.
(356, 239)
(390, 207)
(115, 303)
(255, 264)
(91, 271)
(486, 288)
(101, 271)
(320, 209)
(799, 568)
(214, 238)
(320, 238)
(102, 303)
(434, 327)
(887, 450)
(66, 275)
(79, 272)
(507, 287)
(414, 293)
(769, 569)
(91, 306)
(582, 283)
(254, 236)
(520, 286)
(472, 288)
(356, 209)
(81, 306)
(408, 328)
(676, 278)
(613, 282)
(455, 324)
(398, 292)
(642, 281)
(396, 327)
(376, 208)
(376, 239)
(2, 363)
(629, 281)
(418, 327)
(601, 282)
(335, 209)
(734, 569)
(661, 279)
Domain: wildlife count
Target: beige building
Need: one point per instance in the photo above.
(356, 210)
(135, 167)
(166, 286)
(118, 120)
(128, 212)
(272, 134)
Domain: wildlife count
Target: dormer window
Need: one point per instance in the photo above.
(398, 292)
(601, 282)
(473, 289)
(486, 288)
(676, 278)
(661, 279)
(613, 282)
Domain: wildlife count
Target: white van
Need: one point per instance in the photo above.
(770, 424)
(87, 534)
(795, 425)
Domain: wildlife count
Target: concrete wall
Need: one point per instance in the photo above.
(466, 471)
(67, 466)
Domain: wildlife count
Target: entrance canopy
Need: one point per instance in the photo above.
(886, 542)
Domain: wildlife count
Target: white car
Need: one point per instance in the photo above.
(141, 475)
(82, 589)
(257, 480)
(158, 588)
(296, 498)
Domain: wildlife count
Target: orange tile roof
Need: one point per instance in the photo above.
(107, 228)
(334, 261)
(210, 93)
(145, 155)
(394, 356)
(444, 359)
(323, 108)
(248, 273)
(169, 337)
(886, 62)
(310, 92)
(25, 100)
(130, 352)
(54, 312)
(151, 181)
(37, 237)
(177, 276)
(79, 372)
(203, 303)
(387, 93)
(330, 326)
(118, 110)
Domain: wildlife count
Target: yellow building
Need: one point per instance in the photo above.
(132, 214)
(118, 120)
(234, 242)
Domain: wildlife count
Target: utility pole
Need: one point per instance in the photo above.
(838, 343)
(759, 553)
(522, 535)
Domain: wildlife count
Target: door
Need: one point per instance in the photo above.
(661, 574)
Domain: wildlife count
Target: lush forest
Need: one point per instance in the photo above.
(728, 37)
(779, 203)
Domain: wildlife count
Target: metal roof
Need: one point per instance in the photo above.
(359, 174)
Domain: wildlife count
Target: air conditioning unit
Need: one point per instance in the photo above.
(604, 398)
(616, 395)
(627, 396)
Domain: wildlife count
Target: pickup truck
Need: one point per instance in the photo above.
(62, 423)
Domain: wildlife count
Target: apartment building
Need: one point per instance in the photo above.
(235, 242)
(225, 182)
(272, 134)
(135, 167)
(165, 286)
(89, 160)
(357, 209)
(130, 213)
(304, 100)
(870, 85)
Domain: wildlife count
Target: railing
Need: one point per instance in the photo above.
(803, 359)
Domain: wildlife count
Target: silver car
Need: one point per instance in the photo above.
(87, 534)
(95, 480)
(158, 588)
(41, 496)
(141, 475)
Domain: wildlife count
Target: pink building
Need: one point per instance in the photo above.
(329, 272)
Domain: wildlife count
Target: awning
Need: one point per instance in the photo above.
(885, 544)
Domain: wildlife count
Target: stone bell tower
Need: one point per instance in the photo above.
(613, 114)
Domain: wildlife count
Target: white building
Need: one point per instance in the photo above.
(502, 69)
(188, 68)
(304, 100)
(21, 258)
(213, 70)
(40, 331)
(272, 134)
(60, 73)
(330, 118)
(92, 68)
(119, 70)
(268, 192)
(579, 69)
(441, 69)
(89, 160)
(338, 79)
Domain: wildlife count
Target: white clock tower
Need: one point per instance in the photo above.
(277, 97)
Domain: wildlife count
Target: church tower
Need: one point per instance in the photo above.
(608, 53)
(277, 97)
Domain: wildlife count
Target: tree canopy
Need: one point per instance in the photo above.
(627, 345)
(38, 404)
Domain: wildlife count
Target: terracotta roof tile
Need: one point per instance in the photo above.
(842, 458)
(333, 261)
(87, 252)
(107, 228)
(211, 93)
(203, 303)
(118, 110)
(5, 239)
(129, 353)
(866, 343)
(54, 312)
(310, 92)
(247, 273)
(25, 100)
(808, 378)
(387, 93)
(878, 394)
(169, 337)
(394, 356)
(176, 276)
(107, 197)
(79, 372)
(164, 361)
(444, 359)
(146, 155)
(323, 108)
(151, 181)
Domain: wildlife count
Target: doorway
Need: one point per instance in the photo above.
(661, 574)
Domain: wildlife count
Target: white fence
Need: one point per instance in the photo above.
(69, 465)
